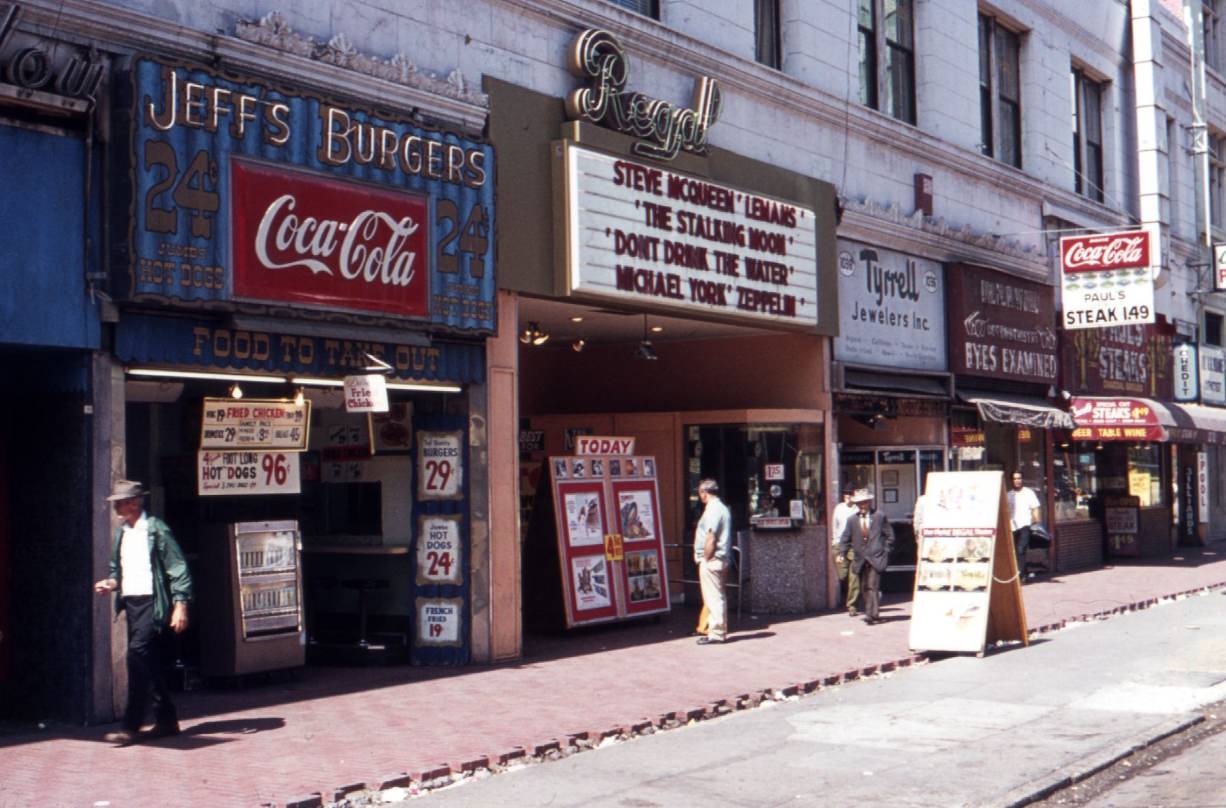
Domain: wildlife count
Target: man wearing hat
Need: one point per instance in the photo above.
(851, 583)
(152, 585)
(870, 537)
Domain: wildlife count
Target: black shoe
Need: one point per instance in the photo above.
(121, 737)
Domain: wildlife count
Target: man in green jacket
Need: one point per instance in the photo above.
(152, 582)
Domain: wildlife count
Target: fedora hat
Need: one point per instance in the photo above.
(126, 489)
(862, 495)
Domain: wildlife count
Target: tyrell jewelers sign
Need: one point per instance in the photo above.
(241, 191)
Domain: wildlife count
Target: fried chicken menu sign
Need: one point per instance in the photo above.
(242, 191)
(652, 236)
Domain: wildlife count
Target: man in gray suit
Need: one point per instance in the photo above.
(869, 535)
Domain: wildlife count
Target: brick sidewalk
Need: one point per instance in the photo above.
(329, 728)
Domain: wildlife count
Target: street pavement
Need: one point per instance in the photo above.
(1193, 779)
(967, 731)
(328, 731)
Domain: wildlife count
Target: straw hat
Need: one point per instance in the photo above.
(862, 495)
(126, 489)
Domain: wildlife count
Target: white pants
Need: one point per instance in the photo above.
(711, 578)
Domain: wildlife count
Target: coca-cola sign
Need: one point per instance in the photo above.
(1108, 280)
(307, 239)
(1105, 252)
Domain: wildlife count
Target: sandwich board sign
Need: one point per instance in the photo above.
(967, 590)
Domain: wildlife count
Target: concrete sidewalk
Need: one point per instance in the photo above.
(332, 730)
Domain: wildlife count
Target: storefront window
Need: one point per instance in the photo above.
(1075, 477)
(930, 460)
(1145, 474)
(762, 470)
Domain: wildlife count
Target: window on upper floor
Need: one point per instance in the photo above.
(1087, 97)
(1217, 173)
(1000, 92)
(1213, 328)
(648, 8)
(1211, 27)
(767, 48)
(886, 32)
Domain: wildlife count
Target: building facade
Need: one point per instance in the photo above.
(786, 245)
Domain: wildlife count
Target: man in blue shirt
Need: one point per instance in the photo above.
(712, 545)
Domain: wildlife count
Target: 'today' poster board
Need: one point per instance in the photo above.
(610, 541)
(967, 590)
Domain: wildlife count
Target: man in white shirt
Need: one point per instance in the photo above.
(1023, 512)
(851, 583)
(153, 586)
(712, 547)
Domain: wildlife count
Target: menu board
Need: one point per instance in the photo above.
(967, 591)
(249, 423)
(610, 541)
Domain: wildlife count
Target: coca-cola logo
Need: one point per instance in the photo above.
(319, 241)
(1094, 253)
(371, 247)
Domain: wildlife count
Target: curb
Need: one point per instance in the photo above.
(1091, 765)
(571, 743)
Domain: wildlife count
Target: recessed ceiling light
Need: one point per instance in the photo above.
(656, 329)
(576, 319)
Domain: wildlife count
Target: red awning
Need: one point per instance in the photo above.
(1124, 419)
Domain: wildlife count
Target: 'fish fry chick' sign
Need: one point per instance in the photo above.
(1108, 279)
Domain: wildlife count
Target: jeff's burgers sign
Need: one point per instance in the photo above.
(245, 193)
(1107, 279)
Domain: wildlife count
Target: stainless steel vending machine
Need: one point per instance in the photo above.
(251, 599)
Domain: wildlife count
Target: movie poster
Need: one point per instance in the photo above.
(584, 521)
(590, 582)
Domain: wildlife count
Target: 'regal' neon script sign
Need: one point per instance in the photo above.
(663, 129)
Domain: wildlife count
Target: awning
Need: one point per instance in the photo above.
(1009, 408)
(1122, 419)
(895, 382)
(1208, 424)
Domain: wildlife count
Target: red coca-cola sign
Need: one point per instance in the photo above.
(1111, 251)
(302, 238)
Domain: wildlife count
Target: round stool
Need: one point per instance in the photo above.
(363, 586)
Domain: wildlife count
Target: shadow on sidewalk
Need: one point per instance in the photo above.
(258, 693)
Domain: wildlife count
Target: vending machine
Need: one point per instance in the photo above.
(250, 599)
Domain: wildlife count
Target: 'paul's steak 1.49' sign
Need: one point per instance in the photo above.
(647, 234)
(243, 191)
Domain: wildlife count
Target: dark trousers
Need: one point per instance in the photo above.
(870, 590)
(146, 678)
(1021, 542)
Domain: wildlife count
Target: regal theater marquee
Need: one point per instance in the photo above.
(245, 193)
(650, 235)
